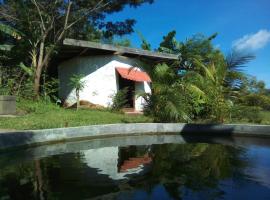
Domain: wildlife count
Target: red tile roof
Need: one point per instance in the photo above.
(133, 74)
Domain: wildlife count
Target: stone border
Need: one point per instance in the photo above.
(38, 137)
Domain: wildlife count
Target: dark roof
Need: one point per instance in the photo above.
(72, 48)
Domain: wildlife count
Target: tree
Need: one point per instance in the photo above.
(210, 83)
(78, 84)
(47, 22)
(169, 44)
(220, 82)
(198, 47)
(171, 96)
(145, 45)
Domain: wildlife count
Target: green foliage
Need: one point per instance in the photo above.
(211, 84)
(145, 45)
(247, 113)
(78, 84)
(217, 107)
(120, 99)
(169, 44)
(168, 101)
(8, 30)
(199, 48)
(50, 89)
(256, 100)
(18, 81)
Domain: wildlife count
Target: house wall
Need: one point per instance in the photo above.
(100, 77)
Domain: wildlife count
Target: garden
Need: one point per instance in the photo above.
(204, 85)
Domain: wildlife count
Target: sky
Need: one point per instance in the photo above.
(240, 24)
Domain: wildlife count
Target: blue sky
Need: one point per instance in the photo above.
(243, 24)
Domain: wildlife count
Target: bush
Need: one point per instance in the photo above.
(120, 99)
(257, 100)
(247, 113)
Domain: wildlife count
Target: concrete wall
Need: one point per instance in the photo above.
(100, 77)
(23, 138)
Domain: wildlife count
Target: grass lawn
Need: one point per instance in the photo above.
(40, 115)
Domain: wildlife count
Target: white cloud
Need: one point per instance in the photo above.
(252, 42)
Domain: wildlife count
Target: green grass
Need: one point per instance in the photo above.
(40, 115)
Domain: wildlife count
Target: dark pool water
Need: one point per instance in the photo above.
(149, 167)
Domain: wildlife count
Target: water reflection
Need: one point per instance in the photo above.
(119, 162)
(148, 171)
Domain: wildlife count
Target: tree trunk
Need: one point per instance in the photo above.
(42, 61)
(78, 99)
(38, 67)
(37, 80)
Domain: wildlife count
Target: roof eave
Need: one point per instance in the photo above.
(119, 50)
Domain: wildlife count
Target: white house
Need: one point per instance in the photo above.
(106, 69)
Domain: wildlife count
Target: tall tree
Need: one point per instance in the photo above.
(169, 43)
(145, 45)
(47, 22)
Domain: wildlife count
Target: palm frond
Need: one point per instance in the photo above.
(208, 72)
(236, 60)
(10, 31)
(6, 47)
(195, 90)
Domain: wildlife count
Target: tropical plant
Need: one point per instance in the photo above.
(120, 99)
(210, 83)
(78, 84)
(171, 96)
(217, 106)
(221, 80)
(8, 30)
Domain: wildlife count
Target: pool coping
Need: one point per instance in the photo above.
(17, 139)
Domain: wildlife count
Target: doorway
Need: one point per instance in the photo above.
(130, 96)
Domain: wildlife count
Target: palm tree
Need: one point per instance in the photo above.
(78, 84)
(220, 82)
(170, 98)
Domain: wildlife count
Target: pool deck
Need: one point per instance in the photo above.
(16, 139)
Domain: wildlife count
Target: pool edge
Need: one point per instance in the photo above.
(16, 139)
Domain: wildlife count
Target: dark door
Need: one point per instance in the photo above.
(130, 85)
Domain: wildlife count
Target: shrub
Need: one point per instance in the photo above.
(247, 113)
(120, 99)
(257, 100)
